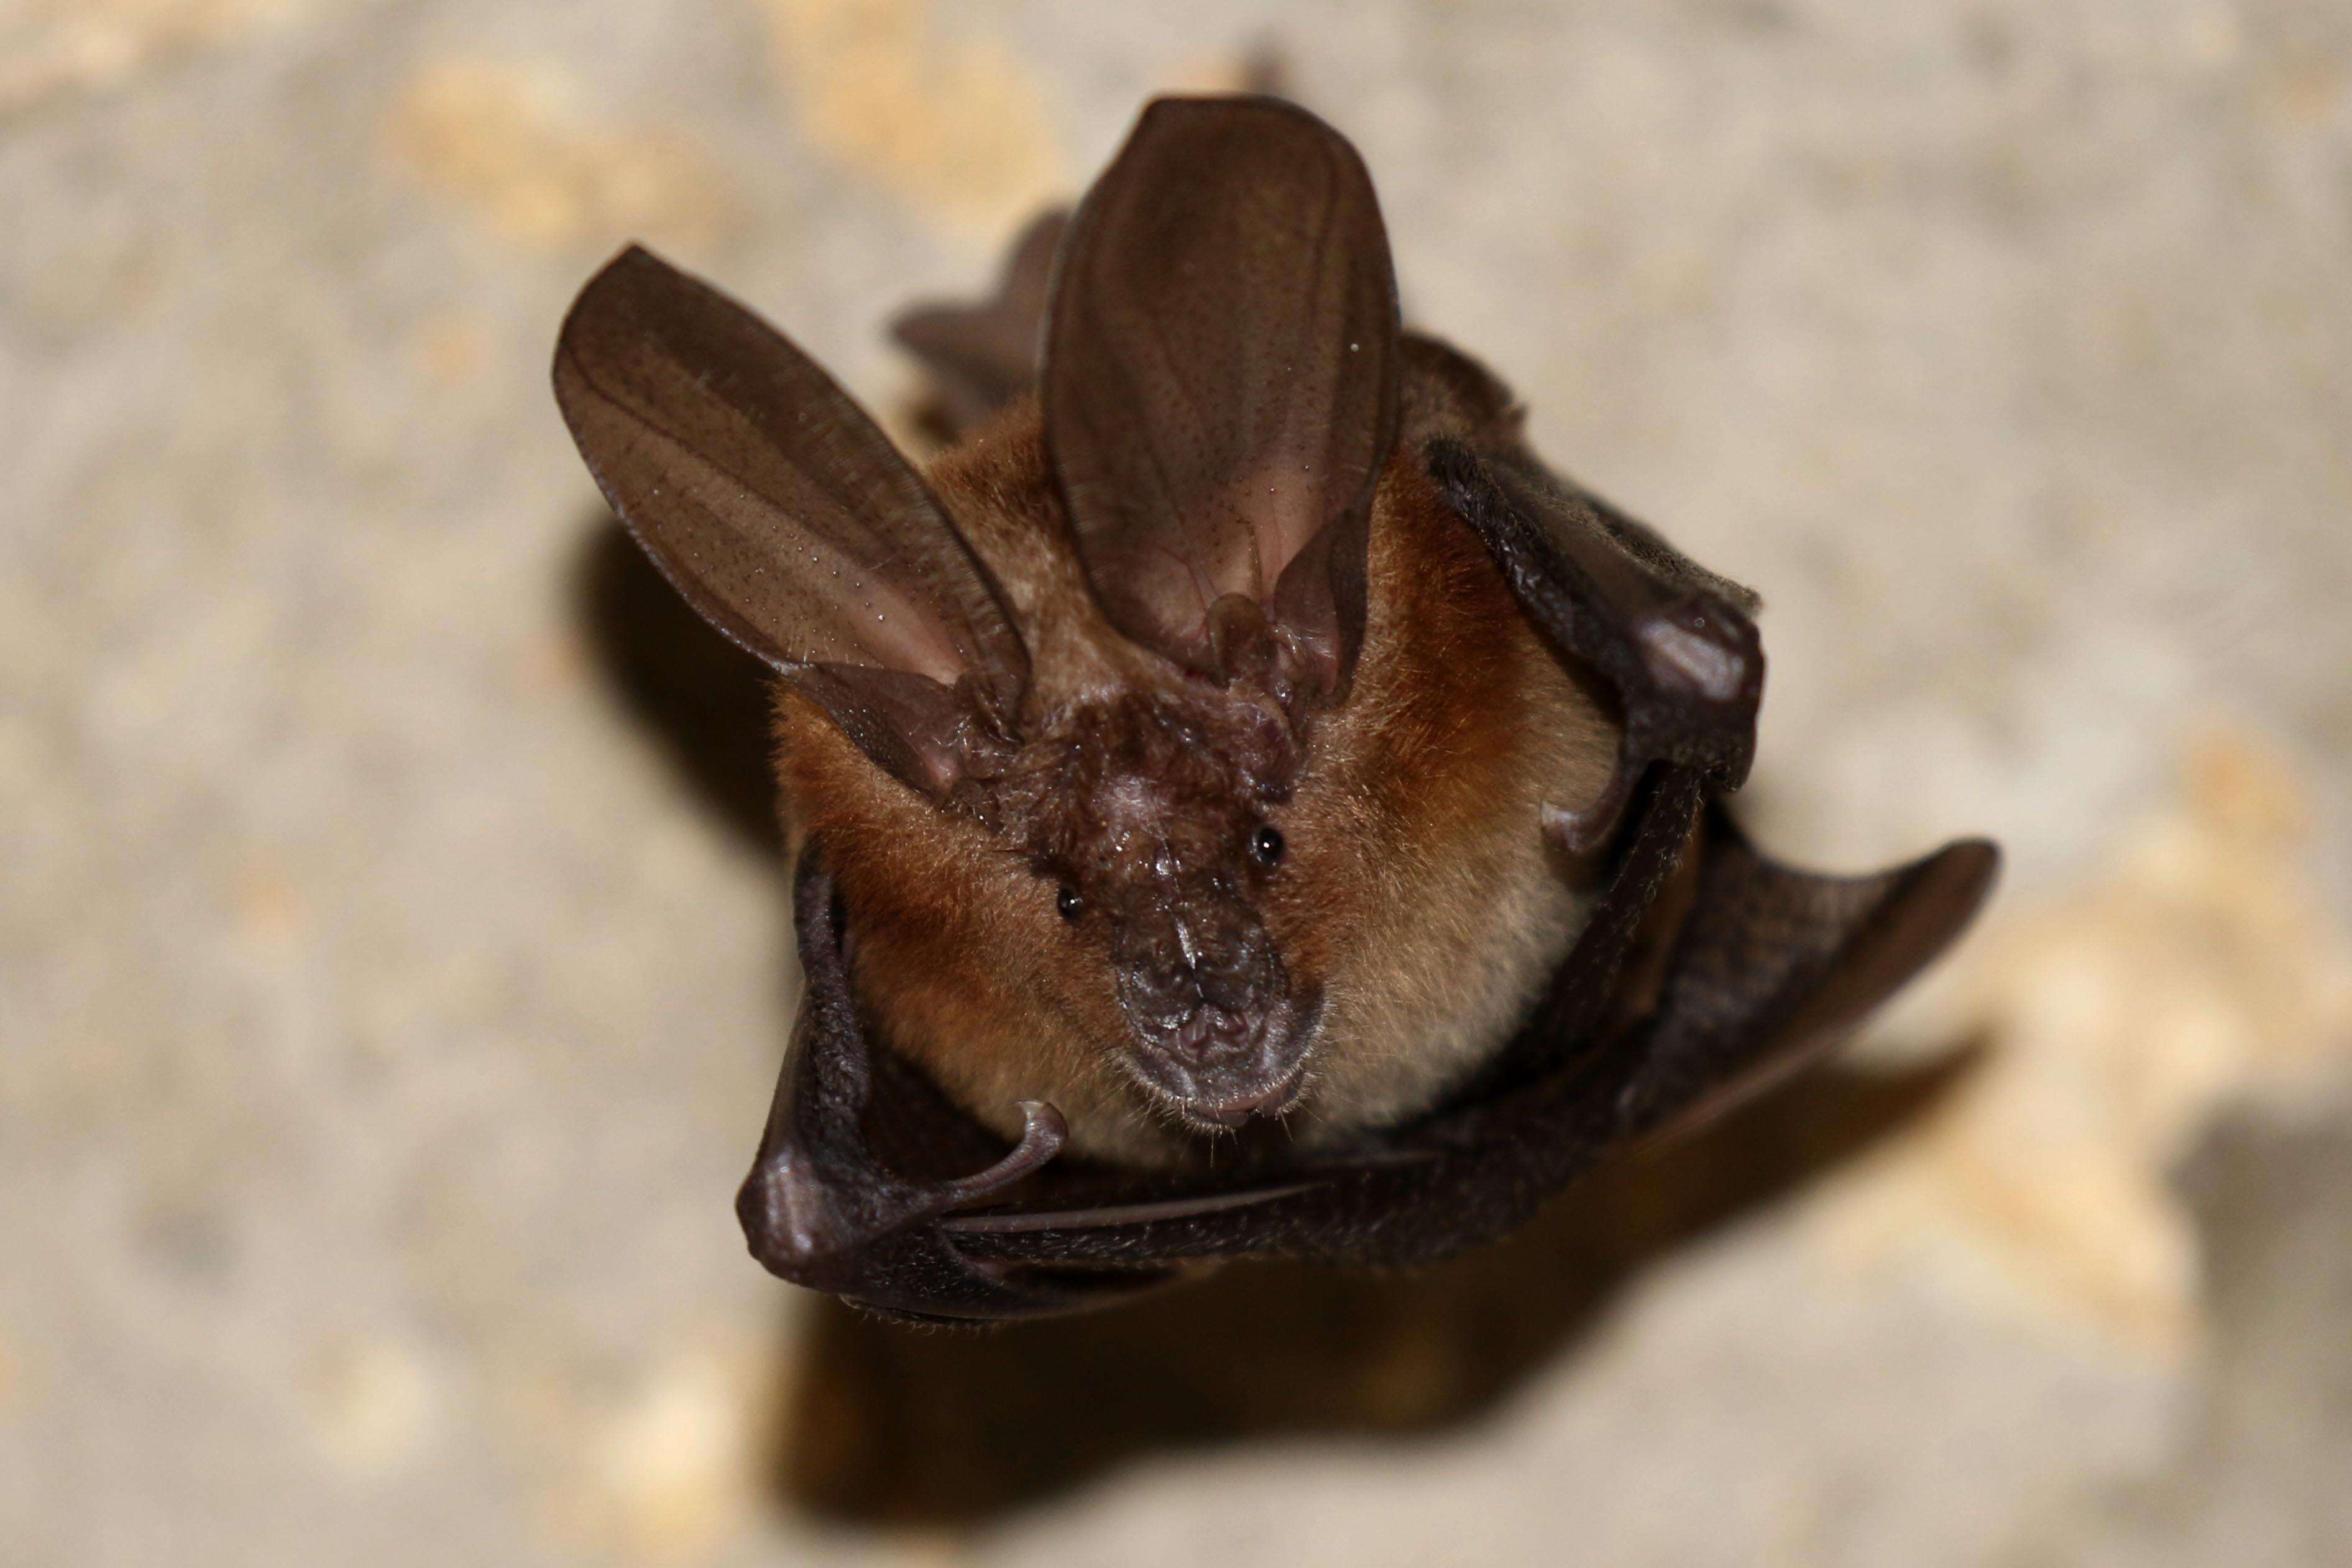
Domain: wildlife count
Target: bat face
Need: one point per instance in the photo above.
(1409, 906)
(1085, 912)
(1151, 813)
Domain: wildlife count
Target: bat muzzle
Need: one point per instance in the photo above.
(1218, 1067)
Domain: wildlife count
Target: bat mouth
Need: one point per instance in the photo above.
(1219, 1069)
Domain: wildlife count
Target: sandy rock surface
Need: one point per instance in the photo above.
(388, 1008)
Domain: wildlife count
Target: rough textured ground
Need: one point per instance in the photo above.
(385, 1015)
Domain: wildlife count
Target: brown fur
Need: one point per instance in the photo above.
(1418, 898)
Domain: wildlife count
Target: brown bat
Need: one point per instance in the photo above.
(1236, 758)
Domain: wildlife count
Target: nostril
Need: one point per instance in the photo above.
(1223, 1034)
(1213, 1035)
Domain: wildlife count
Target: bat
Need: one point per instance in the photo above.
(1242, 802)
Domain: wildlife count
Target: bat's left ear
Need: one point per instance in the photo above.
(787, 519)
(1220, 386)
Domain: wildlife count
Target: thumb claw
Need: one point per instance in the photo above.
(1044, 1131)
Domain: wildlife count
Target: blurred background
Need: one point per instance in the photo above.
(392, 954)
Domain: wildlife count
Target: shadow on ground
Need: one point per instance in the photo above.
(699, 700)
(887, 1424)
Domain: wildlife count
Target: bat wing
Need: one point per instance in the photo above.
(1767, 966)
(1776, 966)
(1677, 642)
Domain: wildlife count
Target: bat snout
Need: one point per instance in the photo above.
(1217, 1032)
(1219, 1066)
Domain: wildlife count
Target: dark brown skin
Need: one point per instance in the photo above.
(1414, 911)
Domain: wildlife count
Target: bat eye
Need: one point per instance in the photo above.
(1266, 846)
(1070, 904)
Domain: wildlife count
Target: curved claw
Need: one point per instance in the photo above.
(1043, 1133)
(1583, 830)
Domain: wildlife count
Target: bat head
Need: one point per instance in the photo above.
(1217, 399)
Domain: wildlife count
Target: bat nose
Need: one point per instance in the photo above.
(1196, 958)
(1210, 1015)
(1217, 1067)
(1235, 968)
(1219, 1035)
(1215, 1034)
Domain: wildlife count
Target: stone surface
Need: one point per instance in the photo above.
(385, 1015)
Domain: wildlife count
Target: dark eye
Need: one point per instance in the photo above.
(1266, 846)
(1070, 904)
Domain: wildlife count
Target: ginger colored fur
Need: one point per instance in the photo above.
(1419, 893)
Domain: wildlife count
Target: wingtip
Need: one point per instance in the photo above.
(1966, 872)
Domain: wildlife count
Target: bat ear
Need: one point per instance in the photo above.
(1220, 384)
(982, 356)
(785, 518)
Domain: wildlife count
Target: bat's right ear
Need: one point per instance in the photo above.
(785, 518)
(1220, 385)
